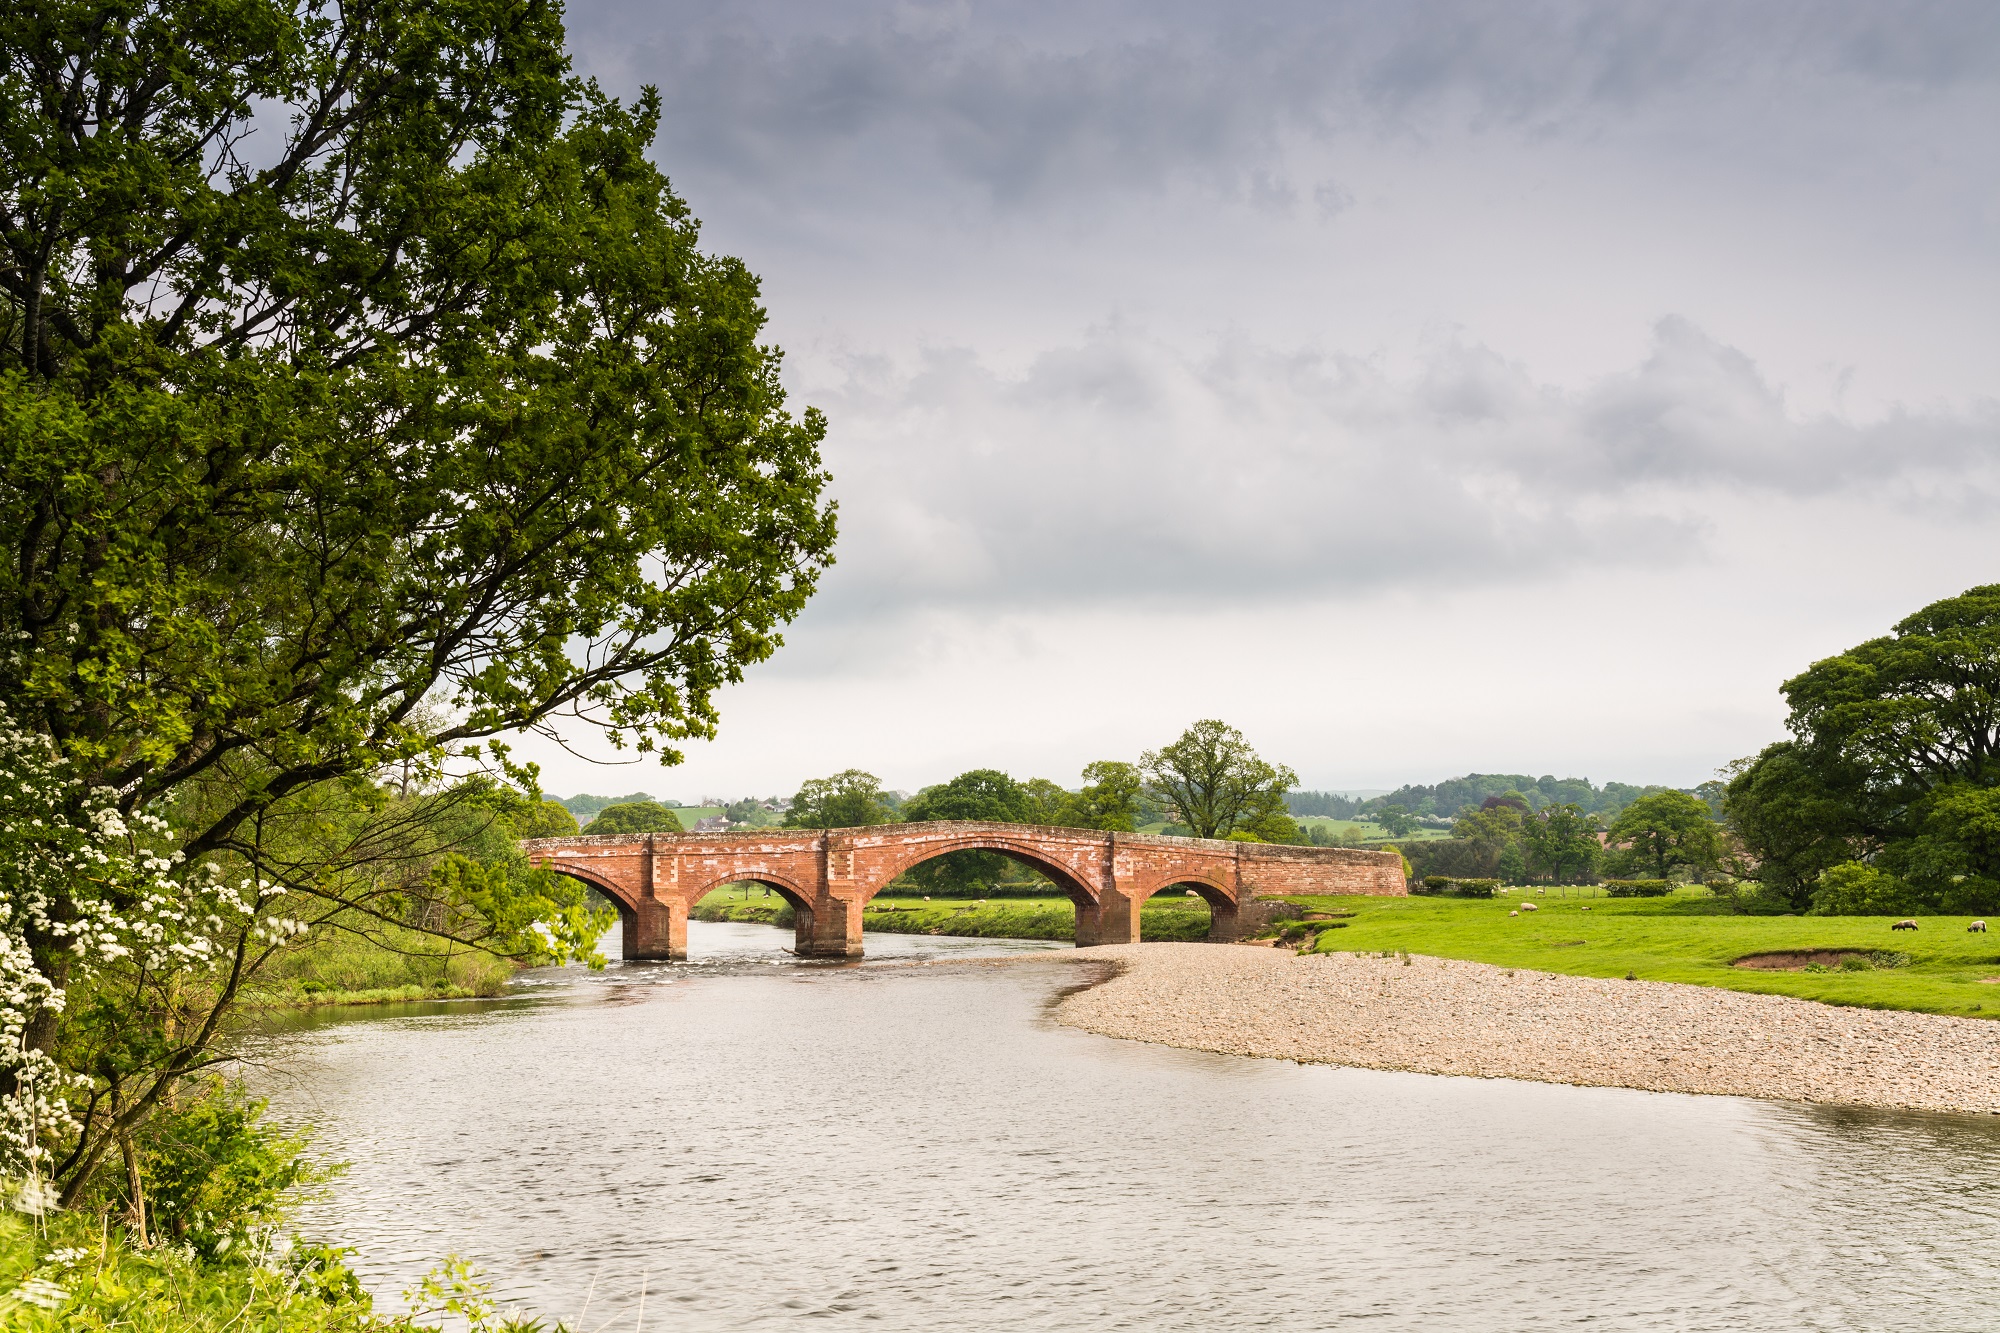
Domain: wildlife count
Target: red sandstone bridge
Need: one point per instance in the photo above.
(828, 875)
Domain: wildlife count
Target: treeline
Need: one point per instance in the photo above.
(1440, 803)
(1208, 783)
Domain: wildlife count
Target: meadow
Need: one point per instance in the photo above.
(1687, 937)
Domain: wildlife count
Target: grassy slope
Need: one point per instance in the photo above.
(340, 968)
(1685, 939)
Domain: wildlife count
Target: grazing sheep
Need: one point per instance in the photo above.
(1513, 914)
(1529, 907)
(1979, 926)
(1904, 925)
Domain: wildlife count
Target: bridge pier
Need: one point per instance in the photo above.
(831, 928)
(1112, 919)
(655, 930)
(1225, 922)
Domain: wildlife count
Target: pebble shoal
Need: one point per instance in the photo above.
(1443, 1016)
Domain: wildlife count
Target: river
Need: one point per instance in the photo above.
(746, 1141)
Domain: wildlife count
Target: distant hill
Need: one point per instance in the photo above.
(586, 808)
(1445, 799)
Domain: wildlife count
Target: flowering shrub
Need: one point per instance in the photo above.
(87, 898)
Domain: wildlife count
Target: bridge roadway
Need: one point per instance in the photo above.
(828, 875)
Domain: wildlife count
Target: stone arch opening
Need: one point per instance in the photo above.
(778, 887)
(1082, 896)
(618, 896)
(1221, 922)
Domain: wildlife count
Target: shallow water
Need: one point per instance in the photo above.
(746, 1140)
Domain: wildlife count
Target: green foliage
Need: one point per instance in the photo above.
(1561, 842)
(1473, 789)
(1893, 763)
(587, 808)
(981, 794)
(1395, 820)
(1214, 783)
(1667, 831)
(543, 819)
(539, 917)
(1112, 796)
(436, 399)
(1637, 888)
(1446, 886)
(848, 799)
(1854, 889)
(216, 1177)
(636, 817)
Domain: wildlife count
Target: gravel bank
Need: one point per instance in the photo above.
(1439, 1016)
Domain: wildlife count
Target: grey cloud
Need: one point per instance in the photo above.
(1123, 470)
(1018, 100)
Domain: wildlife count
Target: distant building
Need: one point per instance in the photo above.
(713, 824)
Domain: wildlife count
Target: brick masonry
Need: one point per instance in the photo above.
(828, 875)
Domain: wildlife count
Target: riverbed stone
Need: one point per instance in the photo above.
(1445, 1016)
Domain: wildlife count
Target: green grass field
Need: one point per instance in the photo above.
(1682, 938)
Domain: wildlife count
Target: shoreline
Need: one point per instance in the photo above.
(1430, 1015)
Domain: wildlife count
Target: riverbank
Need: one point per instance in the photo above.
(1937, 968)
(1445, 1016)
(1178, 918)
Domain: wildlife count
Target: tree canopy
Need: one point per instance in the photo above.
(1215, 784)
(1894, 763)
(848, 799)
(365, 395)
(636, 817)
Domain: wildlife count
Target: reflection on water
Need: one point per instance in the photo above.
(752, 1140)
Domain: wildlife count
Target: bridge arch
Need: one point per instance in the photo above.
(1027, 853)
(1224, 913)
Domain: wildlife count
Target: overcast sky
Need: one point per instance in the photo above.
(1422, 388)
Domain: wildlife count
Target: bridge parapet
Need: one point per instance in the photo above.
(829, 875)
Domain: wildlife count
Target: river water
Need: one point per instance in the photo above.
(746, 1142)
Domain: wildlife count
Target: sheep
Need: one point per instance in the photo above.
(1530, 907)
(1513, 914)
(1979, 926)
(1905, 924)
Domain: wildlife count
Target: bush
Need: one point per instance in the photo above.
(1638, 888)
(1446, 886)
(1854, 889)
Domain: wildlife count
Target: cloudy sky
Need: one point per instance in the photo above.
(1423, 388)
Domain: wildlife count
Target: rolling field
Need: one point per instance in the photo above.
(1683, 938)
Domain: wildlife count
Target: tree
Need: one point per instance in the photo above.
(981, 794)
(1395, 820)
(1043, 802)
(1894, 762)
(1667, 831)
(978, 794)
(1212, 781)
(428, 424)
(848, 799)
(636, 817)
(1794, 815)
(1110, 799)
(1562, 841)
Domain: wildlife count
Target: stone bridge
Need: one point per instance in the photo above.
(828, 875)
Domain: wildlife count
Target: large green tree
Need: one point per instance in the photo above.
(1561, 840)
(980, 794)
(1213, 782)
(1894, 761)
(1665, 832)
(365, 395)
(848, 799)
(1112, 796)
